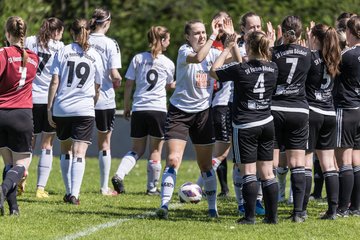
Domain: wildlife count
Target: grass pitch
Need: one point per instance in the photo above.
(131, 216)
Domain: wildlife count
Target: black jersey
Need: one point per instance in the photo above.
(347, 85)
(254, 83)
(319, 85)
(294, 63)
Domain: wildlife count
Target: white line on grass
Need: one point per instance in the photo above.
(99, 227)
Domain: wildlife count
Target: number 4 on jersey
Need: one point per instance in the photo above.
(260, 86)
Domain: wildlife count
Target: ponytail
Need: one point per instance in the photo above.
(80, 31)
(156, 35)
(330, 47)
(48, 29)
(259, 44)
(16, 27)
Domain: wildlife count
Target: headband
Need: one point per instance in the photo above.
(103, 20)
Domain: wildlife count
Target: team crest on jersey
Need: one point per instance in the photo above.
(201, 79)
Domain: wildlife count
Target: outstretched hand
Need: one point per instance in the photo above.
(228, 26)
(215, 26)
(230, 40)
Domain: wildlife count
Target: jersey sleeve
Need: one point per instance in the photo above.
(114, 55)
(170, 72)
(184, 51)
(55, 67)
(130, 73)
(227, 72)
(3, 61)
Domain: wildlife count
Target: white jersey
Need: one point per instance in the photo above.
(194, 86)
(111, 59)
(151, 76)
(78, 71)
(40, 85)
(224, 94)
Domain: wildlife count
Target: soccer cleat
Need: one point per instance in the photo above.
(298, 217)
(14, 212)
(245, 221)
(223, 195)
(66, 198)
(155, 192)
(213, 213)
(328, 216)
(73, 200)
(267, 220)
(109, 192)
(241, 209)
(162, 213)
(41, 193)
(259, 208)
(118, 184)
(2, 199)
(342, 213)
(354, 212)
(22, 184)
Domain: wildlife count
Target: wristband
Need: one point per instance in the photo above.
(213, 37)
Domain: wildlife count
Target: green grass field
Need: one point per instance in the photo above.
(131, 216)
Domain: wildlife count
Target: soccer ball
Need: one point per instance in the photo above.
(190, 193)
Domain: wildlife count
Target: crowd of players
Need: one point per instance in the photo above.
(275, 98)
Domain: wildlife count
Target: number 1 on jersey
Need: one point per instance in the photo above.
(23, 71)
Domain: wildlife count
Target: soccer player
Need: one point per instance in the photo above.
(189, 113)
(221, 117)
(45, 45)
(105, 107)
(347, 104)
(74, 89)
(153, 73)
(290, 107)
(325, 60)
(253, 133)
(249, 22)
(17, 71)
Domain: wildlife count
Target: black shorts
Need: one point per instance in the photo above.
(291, 129)
(348, 128)
(222, 123)
(105, 120)
(322, 131)
(252, 144)
(16, 129)
(41, 123)
(180, 125)
(76, 128)
(145, 123)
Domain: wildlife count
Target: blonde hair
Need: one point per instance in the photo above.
(80, 30)
(16, 27)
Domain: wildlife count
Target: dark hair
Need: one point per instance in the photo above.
(259, 44)
(79, 29)
(345, 15)
(48, 27)
(243, 19)
(99, 17)
(16, 27)
(189, 24)
(354, 26)
(330, 47)
(291, 27)
(155, 35)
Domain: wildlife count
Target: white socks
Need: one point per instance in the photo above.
(167, 186)
(215, 164)
(77, 174)
(127, 163)
(105, 165)
(65, 164)
(238, 182)
(44, 167)
(153, 174)
(210, 187)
